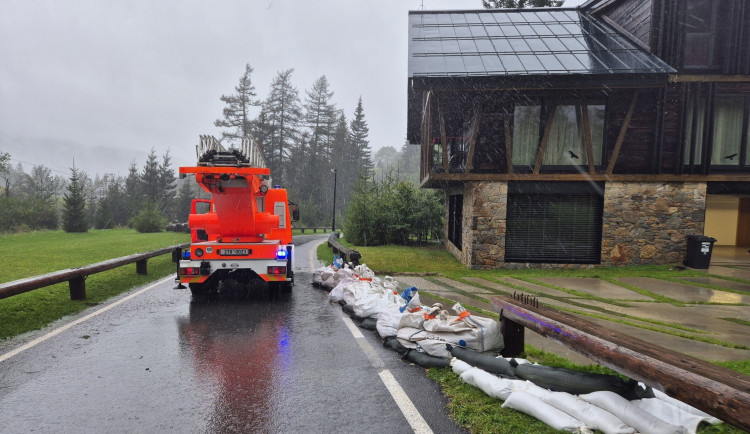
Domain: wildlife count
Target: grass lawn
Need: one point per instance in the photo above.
(42, 252)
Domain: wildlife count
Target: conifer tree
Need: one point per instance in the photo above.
(237, 117)
(360, 142)
(74, 213)
(283, 114)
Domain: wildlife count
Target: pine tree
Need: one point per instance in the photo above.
(74, 214)
(320, 117)
(237, 116)
(150, 177)
(519, 4)
(360, 143)
(167, 181)
(185, 198)
(284, 114)
(133, 195)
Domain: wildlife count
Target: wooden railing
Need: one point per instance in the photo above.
(76, 277)
(719, 391)
(349, 255)
(315, 229)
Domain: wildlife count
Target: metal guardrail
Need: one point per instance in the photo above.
(349, 255)
(76, 277)
(719, 391)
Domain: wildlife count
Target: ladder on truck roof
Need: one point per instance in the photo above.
(249, 151)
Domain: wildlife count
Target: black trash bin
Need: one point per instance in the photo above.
(699, 250)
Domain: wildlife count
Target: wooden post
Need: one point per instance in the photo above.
(473, 139)
(513, 337)
(587, 136)
(508, 145)
(77, 287)
(545, 138)
(621, 137)
(141, 267)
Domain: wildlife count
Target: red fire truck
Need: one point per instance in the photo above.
(244, 231)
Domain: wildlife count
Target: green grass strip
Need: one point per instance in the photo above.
(737, 320)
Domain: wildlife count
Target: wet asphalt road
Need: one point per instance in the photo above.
(162, 362)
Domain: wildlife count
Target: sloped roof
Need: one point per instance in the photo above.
(521, 42)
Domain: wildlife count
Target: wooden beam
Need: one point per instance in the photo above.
(709, 78)
(443, 140)
(719, 391)
(545, 138)
(502, 177)
(621, 137)
(587, 135)
(473, 139)
(508, 145)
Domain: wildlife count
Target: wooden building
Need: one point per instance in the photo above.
(604, 134)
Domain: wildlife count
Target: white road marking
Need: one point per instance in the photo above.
(407, 407)
(61, 329)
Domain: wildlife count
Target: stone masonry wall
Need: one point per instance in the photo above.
(487, 223)
(648, 222)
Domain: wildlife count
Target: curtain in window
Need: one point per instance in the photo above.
(728, 117)
(567, 145)
(700, 112)
(525, 134)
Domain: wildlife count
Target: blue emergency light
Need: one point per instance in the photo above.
(281, 255)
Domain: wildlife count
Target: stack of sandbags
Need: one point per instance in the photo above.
(609, 410)
(430, 332)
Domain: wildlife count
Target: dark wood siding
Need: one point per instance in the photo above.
(671, 137)
(637, 152)
(635, 17)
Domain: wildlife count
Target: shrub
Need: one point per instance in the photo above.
(149, 219)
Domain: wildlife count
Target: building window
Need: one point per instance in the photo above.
(700, 34)
(554, 222)
(566, 145)
(729, 145)
(728, 140)
(455, 219)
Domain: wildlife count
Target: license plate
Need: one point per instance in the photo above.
(234, 252)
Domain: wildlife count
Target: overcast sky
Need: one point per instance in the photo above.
(104, 82)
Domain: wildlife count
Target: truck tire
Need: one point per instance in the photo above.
(203, 289)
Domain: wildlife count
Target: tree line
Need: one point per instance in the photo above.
(145, 199)
(303, 140)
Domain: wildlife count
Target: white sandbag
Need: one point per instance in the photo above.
(492, 385)
(434, 347)
(328, 283)
(411, 320)
(388, 320)
(370, 305)
(594, 417)
(327, 273)
(337, 293)
(466, 330)
(642, 421)
(459, 366)
(356, 290)
(539, 392)
(535, 407)
(670, 413)
(390, 284)
(686, 407)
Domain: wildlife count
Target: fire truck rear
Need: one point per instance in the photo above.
(243, 232)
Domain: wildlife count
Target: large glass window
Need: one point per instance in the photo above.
(700, 34)
(566, 145)
(526, 136)
(694, 123)
(730, 131)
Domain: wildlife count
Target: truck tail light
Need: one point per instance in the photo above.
(190, 271)
(276, 269)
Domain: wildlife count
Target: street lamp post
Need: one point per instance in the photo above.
(333, 224)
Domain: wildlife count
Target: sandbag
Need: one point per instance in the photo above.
(594, 417)
(493, 386)
(425, 360)
(466, 330)
(669, 413)
(485, 362)
(337, 293)
(686, 407)
(535, 407)
(393, 343)
(368, 323)
(388, 320)
(566, 380)
(459, 366)
(629, 413)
